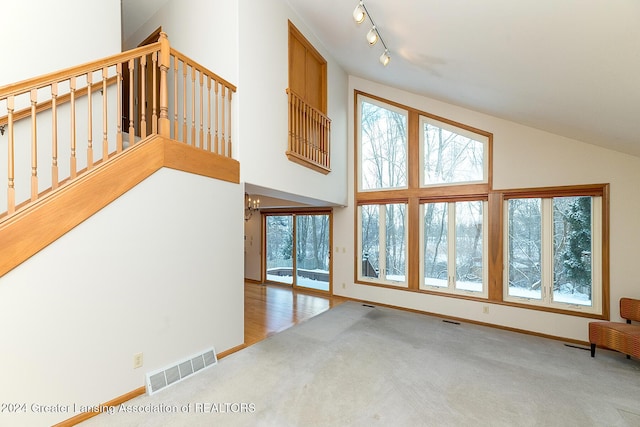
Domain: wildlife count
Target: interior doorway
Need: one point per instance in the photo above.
(298, 248)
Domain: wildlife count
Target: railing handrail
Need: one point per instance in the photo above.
(139, 104)
(201, 67)
(62, 75)
(318, 111)
(46, 105)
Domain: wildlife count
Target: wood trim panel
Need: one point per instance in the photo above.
(303, 161)
(114, 402)
(186, 158)
(40, 224)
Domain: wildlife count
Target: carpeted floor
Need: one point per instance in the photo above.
(360, 366)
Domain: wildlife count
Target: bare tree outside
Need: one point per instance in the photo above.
(383, 148)
(450, 157)
(525, 246)
(436, 245)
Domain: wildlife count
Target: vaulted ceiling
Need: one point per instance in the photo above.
(570, 67)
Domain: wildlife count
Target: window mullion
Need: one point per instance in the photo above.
(451, 230)
(382, 250)
(547, 251)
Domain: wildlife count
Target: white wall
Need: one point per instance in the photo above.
(263, 106)
(41, 36)
(523, 157)
(156, 272)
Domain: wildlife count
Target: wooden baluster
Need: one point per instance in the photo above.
(290, 147)
(193, 106)
(119, 107)
(208, 113)
(222, 122)
(154, 111)
(184, 102)
(229, 153)
(175, 99)
(11, 191)
(305, 131)
(54, 135)
(143, 96)
(132, 130)
(72, 101)
(34, 146)
(316, 135)
(201, 110)
(299, 140)
(105, 141)
(294, 126)
(89, 122)
(164, 125)
(215, 139)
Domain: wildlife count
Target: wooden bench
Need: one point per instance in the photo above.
(622, 337)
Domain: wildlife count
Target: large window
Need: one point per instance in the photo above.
(383, 148)
(453, 247)
(451, 155)
(554, 252)
(428, 219)
(383, 243)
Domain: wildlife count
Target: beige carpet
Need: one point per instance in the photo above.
(360, 366)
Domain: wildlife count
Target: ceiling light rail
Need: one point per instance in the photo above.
(360, 13)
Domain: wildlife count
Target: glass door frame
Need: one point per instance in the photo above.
(295, 213)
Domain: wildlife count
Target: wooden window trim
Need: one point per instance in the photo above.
(414, 195)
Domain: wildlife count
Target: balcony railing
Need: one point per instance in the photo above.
(309, 135)
(56, 127)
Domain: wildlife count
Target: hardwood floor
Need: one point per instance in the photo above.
(269, 309)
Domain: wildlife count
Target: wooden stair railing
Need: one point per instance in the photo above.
(309, 135)
(74, 120)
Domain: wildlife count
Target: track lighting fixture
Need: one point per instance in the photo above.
(385, 58)
(372, 36)
(359, 15)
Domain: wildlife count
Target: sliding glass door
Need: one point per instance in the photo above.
(297, 250)
(279, 248)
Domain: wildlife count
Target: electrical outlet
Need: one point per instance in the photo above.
(485, 309)
(343, 285)
(137, 360)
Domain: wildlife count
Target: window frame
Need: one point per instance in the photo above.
(599, 193)
(451, 287)
(382, 258)
(389, 106)
(415, 194)
(460, 130)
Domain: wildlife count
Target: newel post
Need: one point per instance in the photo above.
(164, 126)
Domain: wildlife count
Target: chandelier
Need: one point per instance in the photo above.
(250, 206)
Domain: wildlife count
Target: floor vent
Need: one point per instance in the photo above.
(173, 374)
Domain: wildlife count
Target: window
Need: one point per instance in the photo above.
(453, 248)
(554, 252)
(426, 207)
(451, 155)
(383, 243)
(383, 147)
(403, 156)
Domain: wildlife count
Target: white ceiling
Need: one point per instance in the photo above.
(571, 67)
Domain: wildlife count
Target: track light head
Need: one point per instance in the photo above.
(359, 13)
(372, 36)
(385, 58)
